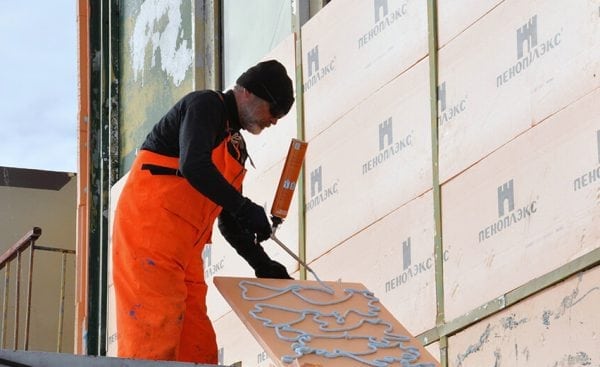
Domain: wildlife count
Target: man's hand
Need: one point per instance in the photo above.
(252, 217)
(245, 244)
(271, 269)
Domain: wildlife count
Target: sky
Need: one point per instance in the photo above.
(38, 84)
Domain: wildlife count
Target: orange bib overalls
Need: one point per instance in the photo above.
(160, 227)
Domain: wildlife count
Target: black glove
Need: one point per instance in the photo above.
(244, 243)
(271, 269)
(253, 219)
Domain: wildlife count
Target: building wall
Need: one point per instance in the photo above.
(502, 120)
(53, 209)
(557, 327)
(517, 169)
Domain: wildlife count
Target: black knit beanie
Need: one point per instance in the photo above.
(268, 80)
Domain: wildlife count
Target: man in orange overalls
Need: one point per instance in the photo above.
(188, 172)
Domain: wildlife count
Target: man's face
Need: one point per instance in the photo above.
(255, 115)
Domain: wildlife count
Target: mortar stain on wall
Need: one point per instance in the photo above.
(570, 360)
(566, 304)
(509, 323)
(473, 348)
(524, 352)
(497, 358)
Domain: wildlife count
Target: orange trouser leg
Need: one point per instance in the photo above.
(198, 340)
(161, 224)
(151, 250)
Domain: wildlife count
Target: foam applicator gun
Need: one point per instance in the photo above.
(285, 191)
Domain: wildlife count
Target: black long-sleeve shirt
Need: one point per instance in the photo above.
(190, 130)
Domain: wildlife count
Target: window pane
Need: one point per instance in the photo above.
(250, 30)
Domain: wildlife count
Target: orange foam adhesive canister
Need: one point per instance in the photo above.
(289, 177)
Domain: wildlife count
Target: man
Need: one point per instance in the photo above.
(188, 172)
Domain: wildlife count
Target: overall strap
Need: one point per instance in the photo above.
(236, 140)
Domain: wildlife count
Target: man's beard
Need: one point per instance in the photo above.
(249, 122)
(252, 126)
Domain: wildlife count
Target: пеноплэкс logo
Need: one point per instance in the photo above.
(527, 35)
(318, 194)
(506, 200)
(262, 357)
(315, 72)
(448, 112)
(383, 20)
(221, 358)
(592, 175)
(410, 270)
(388, 148)
(211, 269)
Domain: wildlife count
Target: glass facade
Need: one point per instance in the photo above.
(250, 30)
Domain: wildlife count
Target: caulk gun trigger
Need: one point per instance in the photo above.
(276, 221)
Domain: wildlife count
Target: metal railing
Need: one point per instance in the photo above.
(13, 255)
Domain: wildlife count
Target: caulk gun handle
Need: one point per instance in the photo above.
(276, 222)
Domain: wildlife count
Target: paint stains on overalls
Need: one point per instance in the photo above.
(160, 228)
